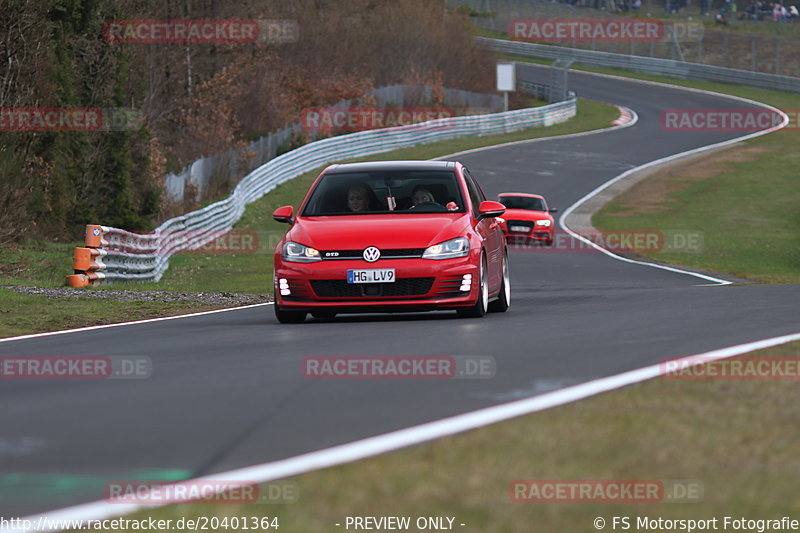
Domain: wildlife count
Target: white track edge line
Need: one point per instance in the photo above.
(541, 139)
(133, 323)
(387, 442)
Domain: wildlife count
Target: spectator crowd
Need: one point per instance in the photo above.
(763, 10)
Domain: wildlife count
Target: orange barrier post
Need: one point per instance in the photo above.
(87, 261)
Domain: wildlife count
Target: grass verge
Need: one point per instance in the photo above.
(736, 439)
(249, 271)
(744, 202)
(22, 314)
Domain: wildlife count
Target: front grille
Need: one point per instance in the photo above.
(525, 223)
(337, 288)
(398, 253)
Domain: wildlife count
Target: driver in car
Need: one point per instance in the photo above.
(358, 198)
(421, 195)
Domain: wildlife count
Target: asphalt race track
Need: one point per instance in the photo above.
(227, 389)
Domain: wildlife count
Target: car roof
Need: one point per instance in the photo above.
(525, 194)
(371, 166)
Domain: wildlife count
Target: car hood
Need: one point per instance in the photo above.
(525, 214)
(355, 232)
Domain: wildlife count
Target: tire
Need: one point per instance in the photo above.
(323, 314)
(503, 301)
(480, 307)
(289, 317)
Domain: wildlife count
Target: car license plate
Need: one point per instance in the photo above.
(521, 229)
(376, 275)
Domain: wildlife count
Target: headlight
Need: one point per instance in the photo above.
(544, 223)
(458, 247)
(297, 253)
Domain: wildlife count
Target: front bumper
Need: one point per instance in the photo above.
(420, 285)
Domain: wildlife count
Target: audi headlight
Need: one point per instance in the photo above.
(458, 247)
(297, 253)
(544, 223)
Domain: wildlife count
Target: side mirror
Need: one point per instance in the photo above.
(283, 214)
(552, 210)
(490, 209)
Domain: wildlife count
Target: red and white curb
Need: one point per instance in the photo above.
(626, 116)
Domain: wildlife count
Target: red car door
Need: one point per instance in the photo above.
(490, 232)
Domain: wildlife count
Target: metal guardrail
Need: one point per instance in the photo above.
(114, 254)
(204, 170)
(556, 90)
(647, 65)
(540, 91)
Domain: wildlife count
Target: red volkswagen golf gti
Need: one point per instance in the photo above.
(391, 236)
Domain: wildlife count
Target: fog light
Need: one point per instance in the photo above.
(283, 285)
(466, 283)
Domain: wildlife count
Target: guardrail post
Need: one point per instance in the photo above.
(725, 48)
(699, 50)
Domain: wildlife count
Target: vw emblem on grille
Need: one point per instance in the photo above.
(371, 254)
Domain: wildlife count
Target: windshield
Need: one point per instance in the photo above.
(523, 202)
(398, 191)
